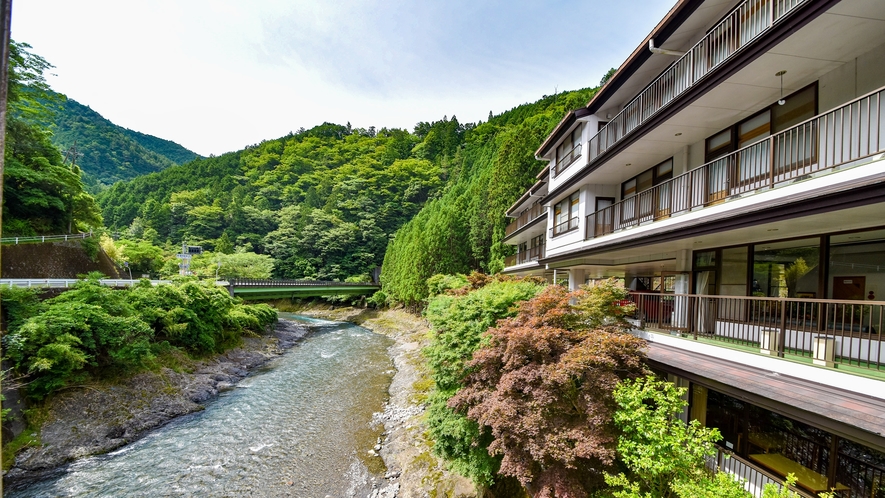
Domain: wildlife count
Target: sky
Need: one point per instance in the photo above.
(219, 75)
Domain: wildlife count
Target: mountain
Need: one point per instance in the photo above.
(330, 202)
(107, 153)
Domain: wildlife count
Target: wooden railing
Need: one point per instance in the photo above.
(527, 216)
(744, 24)
(851, 132)
(838, 332)
(565, 161)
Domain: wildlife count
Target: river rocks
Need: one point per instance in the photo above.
(414, 471)
(91, 420)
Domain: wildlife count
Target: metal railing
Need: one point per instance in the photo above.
(753, 477)
(746, 23)
(531, 254)
(564, 227)
(43, 238)
(527, 216)
(69, 282)
(565, 161)
(260, 282)
(848, 133)
(836, 332)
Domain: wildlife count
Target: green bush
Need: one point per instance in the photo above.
(92, 330)
(458, 323)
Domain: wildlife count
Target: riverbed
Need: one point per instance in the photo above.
(299, 426)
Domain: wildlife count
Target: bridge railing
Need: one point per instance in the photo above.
(260, 282)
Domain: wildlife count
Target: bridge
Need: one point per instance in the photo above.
(246, 288)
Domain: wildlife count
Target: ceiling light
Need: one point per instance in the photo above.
(781, 74)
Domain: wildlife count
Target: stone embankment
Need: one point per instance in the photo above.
(413, 471)
(95, 419)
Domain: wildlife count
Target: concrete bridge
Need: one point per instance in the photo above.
(279, 289)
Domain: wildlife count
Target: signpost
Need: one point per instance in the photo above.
(187, 252)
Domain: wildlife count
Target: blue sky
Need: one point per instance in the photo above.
(218, 75)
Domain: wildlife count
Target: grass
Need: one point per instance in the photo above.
(35, 418)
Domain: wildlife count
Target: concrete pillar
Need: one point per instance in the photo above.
(575, 279)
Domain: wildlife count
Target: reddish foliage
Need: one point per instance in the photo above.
(543, 385)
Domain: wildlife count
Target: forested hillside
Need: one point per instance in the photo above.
(42, 194)
(462, 230)
(108, 153)
(322, 202)
(325, 202)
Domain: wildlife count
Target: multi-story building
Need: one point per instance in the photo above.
(732, 172)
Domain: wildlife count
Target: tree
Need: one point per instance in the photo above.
(665, 457)
(42, 194)
(459, 317)
(543, 386)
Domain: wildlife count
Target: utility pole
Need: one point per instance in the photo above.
(5, 24)
(72, 154)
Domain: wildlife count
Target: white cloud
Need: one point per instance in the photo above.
(219, 75)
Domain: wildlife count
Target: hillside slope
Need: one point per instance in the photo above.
(108, 153)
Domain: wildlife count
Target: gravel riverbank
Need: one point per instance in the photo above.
(413, 471)
(91, 420)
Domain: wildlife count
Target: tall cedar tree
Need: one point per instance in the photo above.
(543, 385)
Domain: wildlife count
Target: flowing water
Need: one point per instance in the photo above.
(298, 427)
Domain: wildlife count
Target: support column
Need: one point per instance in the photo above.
(575, 279)
(681, 286)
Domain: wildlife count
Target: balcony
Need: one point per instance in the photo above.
(526, 217)
(562, 163)
(747, 22)
(564, 227)
(533, 254)
(846, 334)
(846, 134)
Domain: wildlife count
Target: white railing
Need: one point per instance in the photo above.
(846, 134)
(69, 282)
(43, 238)
(746, 23)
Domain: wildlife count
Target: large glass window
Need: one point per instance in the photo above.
(787, 269)
(857, 266)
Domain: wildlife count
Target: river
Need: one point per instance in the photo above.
(300, 426)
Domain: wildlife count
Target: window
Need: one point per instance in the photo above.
(648, 179)
(569, 150)
(565, 214)
(798, 107)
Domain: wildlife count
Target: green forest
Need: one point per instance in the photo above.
(333, 202)
(325, 203)
(105, 152)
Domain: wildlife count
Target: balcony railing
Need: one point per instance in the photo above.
(851, 132)
(829, 331)
(527, 216)
(753, 477)
(532, 254)
(565, 161)
(564, 227)
(745, 23)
